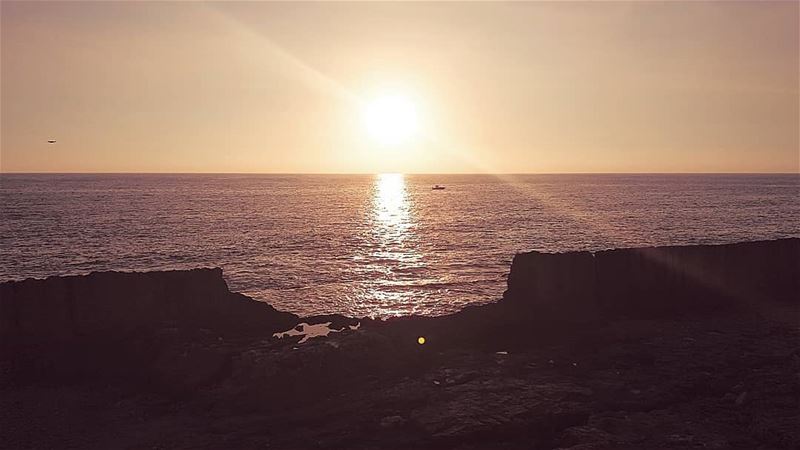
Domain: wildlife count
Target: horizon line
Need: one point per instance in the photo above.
(404, 173)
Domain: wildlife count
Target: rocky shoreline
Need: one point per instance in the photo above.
(670, 347)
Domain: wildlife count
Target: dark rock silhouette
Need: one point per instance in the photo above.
(655, 281)
(117, 303)
(671, 347)
(124, 324)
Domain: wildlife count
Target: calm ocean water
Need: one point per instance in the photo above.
(363, 244)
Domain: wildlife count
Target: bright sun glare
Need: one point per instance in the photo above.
(391, 119)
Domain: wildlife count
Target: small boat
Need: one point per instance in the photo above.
(51, 141)
(438, 187)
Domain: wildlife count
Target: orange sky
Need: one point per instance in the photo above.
(499, 87)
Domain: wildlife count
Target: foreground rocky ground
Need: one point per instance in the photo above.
(731, 382)
(174, 360)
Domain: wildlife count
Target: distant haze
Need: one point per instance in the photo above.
(499, 87)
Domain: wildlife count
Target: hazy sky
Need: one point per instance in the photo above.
(498, 87)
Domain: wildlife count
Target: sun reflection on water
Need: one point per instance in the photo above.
(391, 208)
(394, 256)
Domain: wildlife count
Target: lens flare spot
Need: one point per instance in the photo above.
(421, 340)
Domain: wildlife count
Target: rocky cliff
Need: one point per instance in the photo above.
(655, 281)
(636, 282)
(158, 329)
(116, 303)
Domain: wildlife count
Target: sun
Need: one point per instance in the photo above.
(391, 119)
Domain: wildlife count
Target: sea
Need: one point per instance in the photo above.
(368, 245)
